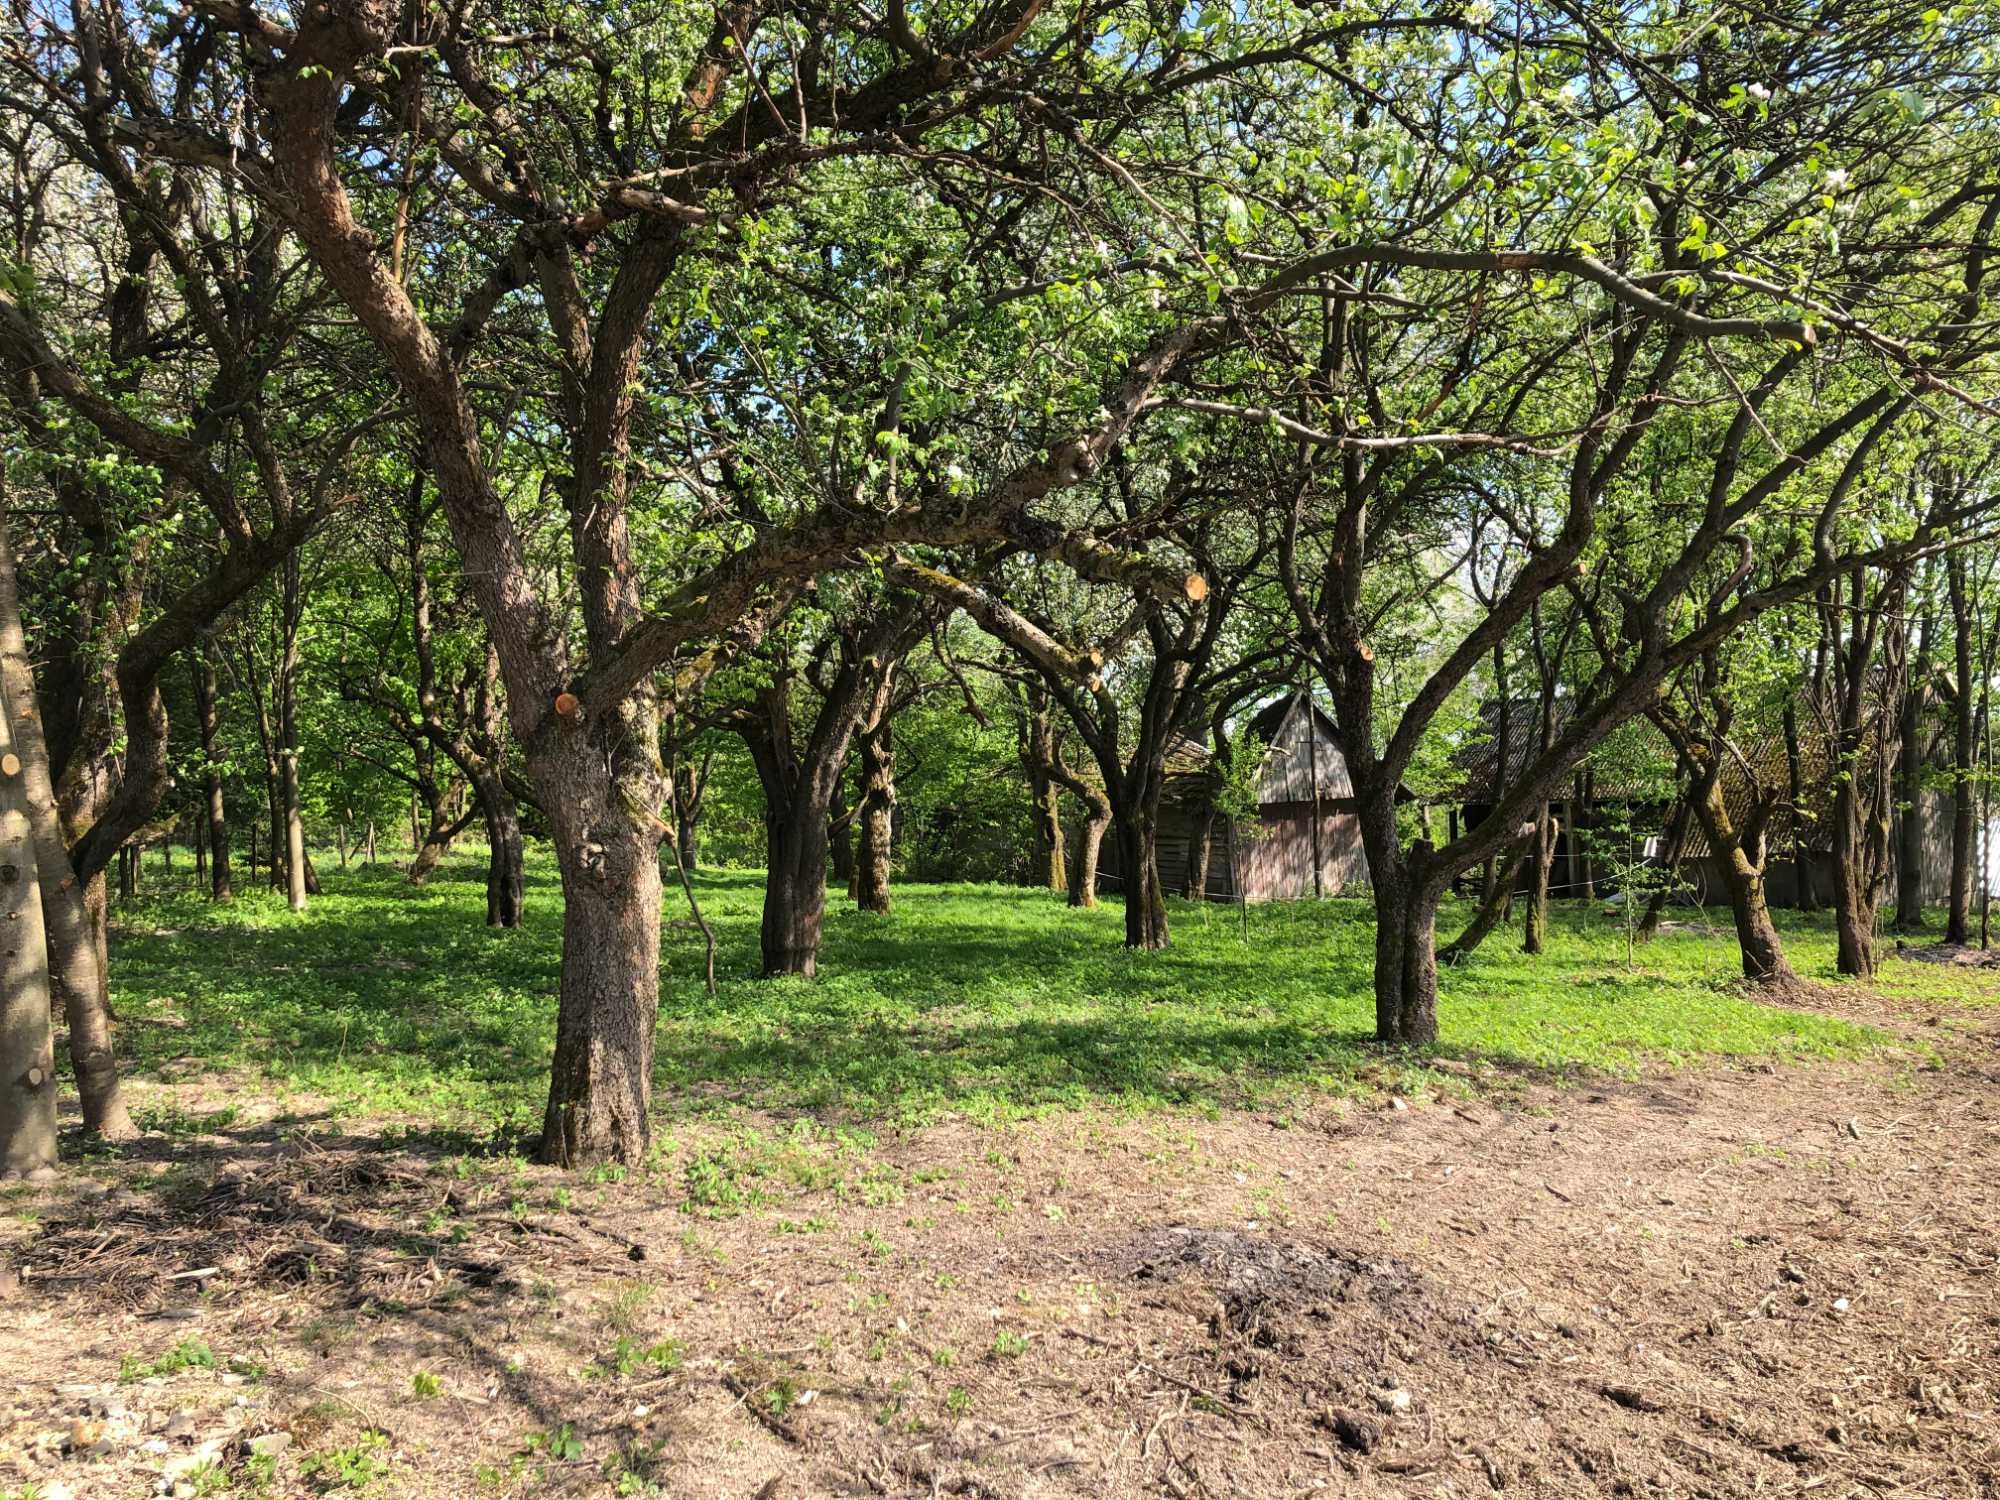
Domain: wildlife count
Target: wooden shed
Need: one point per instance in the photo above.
(1631, 781)
(1305, 840)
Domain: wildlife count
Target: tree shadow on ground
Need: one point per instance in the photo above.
(398, 1003)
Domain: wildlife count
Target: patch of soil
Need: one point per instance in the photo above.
(1723, 1282)
(1962, 955)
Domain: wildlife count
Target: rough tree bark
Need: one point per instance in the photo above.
(27, 1048)
(69, 949)
(801, 781)
(1035, 743)
(875, 816)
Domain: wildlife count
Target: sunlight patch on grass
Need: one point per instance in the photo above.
(984, 1002)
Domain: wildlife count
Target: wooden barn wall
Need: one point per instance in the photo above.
(1275, 856)
(1278, 862)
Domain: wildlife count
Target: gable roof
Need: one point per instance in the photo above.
(1301, 753)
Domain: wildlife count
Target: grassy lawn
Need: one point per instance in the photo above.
(981, 1001)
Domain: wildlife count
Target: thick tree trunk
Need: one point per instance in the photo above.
(600, 1091)
(1139, 873)
(877, 816)
(794, 892)
(1407, 892)
(1763, 951)
(1089, 845)
(69, 953)
(687, 840)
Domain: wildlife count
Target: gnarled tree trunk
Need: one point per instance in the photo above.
(505, 860)
(1089, 845)
(876, 815)
(1137, 833)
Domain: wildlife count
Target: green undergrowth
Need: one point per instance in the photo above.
(984, 1002)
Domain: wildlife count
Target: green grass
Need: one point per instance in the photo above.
(982, 1001)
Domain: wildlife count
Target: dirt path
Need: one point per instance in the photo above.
(1721, 1283)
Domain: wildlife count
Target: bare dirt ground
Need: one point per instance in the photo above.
(1728, 1282)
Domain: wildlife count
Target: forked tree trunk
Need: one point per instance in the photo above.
(1740, 856)
(1853, 893)
(505, 860)
(876, 816)
(59, 938)
(439, 829)
(1139, 873)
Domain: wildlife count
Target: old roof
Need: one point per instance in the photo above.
(1636, 765)
(1302, 757)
